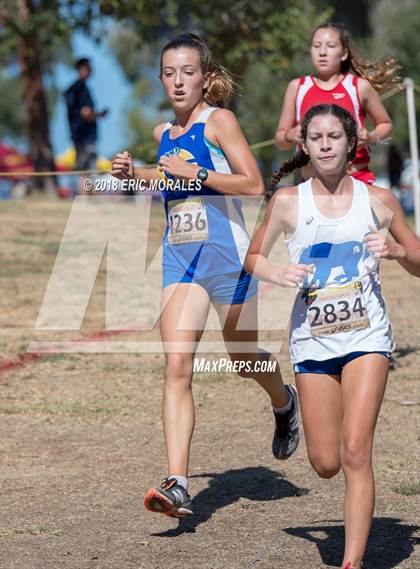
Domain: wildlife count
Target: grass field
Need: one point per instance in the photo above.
(81, 441)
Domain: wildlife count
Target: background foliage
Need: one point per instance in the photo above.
(264, 43)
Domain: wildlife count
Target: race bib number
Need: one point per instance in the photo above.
(335, 310)
(187, 221)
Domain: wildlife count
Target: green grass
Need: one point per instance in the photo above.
(53, 357)
(41, 529)
(24, 241)
(73, 409)
(13, 410)
(407, 488)
(29, 375)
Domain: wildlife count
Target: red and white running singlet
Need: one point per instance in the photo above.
(345, 94)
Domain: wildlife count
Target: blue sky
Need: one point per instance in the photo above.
(109, 88)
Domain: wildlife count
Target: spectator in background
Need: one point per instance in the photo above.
(395, 166)
(83, 119)
(406, 194)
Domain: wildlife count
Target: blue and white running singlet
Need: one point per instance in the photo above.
(341, 310)
(205, 234)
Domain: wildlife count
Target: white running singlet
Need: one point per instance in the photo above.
(340, 309)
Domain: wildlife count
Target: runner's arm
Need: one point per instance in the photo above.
(287, 132)
(281, 209)
(375, 110)
(405, 248)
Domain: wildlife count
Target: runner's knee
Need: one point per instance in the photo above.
(178, 370)
(356, 453)
(325, 466)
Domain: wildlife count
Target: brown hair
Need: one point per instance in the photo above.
(301, 159)
(221, 84)
(382, 74)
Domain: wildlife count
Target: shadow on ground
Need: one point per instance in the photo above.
(390, 542)
(400, 353)
(226, 488)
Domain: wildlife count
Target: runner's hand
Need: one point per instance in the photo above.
(362, 137)
(291, 276)
(122, 166)
(380, 246)
(178, 167)
(294, 134)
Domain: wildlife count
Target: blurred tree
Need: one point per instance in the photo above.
(354, 15)
(241, 34)
(396, 28)
(147, 105)
(259, 107)
(264, 36)
(23, 30)
(12, 116)
(140, 123)
(238, 33)
(33, 35)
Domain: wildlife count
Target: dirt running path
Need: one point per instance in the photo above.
(81, 441)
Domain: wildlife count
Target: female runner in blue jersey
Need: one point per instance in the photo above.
(340, 335)
(203, 251)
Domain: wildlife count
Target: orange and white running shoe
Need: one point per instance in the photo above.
(170, 499)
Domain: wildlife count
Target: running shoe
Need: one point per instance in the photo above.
(170, 499)
(286, 434)
(349, 566)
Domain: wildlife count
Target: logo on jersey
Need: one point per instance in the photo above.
(182, 153)
(338, 95)
(177, 151)
(334, 262)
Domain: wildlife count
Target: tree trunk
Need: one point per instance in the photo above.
(35, 101)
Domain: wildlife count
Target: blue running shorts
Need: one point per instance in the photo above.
(230, 288)
(333, 366)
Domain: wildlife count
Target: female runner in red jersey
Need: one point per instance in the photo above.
(342, 78)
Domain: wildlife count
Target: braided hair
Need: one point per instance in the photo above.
(301, 159)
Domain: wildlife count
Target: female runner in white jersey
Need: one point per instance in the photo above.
(340, 335)
(203, 251)
(344, 79)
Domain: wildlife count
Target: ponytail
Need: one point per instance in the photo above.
(220, 89)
